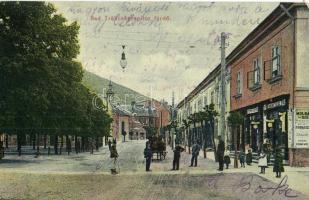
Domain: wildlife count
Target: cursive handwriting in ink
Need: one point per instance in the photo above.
(245, 183)
(281, 188)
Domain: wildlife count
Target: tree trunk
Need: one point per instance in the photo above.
(235, 148)
(75, 144)
(189, 141)
(45, 140)
(56, 144)
(61, 144)
(6, 141)
(18, 144)
(97, 143)
(37, 145)
(91, 145)
(214, 144)
(33, 142)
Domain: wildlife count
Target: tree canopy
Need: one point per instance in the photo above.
(41, 89)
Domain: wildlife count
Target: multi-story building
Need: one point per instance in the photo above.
(206, 93)
(140, 119)
(269, 83)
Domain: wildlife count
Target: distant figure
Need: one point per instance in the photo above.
(195, 152)
(262, 162)
(220, 152)
(242, 158)
(114, 156)
(177, 152)
(148, 156)
(227, 159)
(249, 157)
(267, 149)
(278, 163)
(109, 144)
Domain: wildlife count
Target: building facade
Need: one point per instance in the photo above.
(206, 93)
(269, 85)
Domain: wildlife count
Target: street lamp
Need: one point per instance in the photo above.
(123, 61)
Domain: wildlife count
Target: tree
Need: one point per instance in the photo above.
(193, 118)
(235, 119)
(186, 124)
(41, 90)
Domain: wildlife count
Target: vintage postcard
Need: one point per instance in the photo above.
(154, 100)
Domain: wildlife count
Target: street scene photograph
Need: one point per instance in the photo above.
(154, 100)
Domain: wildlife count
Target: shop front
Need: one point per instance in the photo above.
(253, 134)
(275, 125)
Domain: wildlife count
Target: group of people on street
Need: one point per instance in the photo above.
(277, 165)
(224, 157)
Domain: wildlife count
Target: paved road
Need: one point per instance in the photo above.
(86, 176)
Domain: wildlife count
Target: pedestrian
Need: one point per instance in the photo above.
(109, 144)
(114, 141)
(114, 156)
(227, 159)
(249, 157)
(278, 163)
(242, 158)
(148, 156)
(267, 148)
(195, 152)
(220, 153)
(262, 162)
(177, 151)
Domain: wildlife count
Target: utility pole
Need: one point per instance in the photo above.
(222, 91)
(172, 119)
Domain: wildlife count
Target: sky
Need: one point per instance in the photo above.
(169, 46)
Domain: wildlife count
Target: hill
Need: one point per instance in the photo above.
(123, 95)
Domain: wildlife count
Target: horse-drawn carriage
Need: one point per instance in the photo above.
(158, 146)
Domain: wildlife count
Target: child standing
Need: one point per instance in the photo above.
(227, 159)
(242, 157)
(278, 163)
(249, 157)
(262, 162)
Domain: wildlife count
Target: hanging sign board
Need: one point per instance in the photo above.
(302, 128)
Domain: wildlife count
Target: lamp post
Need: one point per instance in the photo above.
(123, 61)
(109, 93)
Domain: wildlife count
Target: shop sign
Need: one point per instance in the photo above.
(276, 104)
(301, 137)
(253, 110)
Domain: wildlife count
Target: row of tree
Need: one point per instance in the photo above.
(41, 89)
(206, 135)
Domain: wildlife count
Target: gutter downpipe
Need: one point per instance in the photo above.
(293, 19)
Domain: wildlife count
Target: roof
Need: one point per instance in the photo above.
(277, 15)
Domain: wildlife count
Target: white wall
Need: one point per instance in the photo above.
(302, 48)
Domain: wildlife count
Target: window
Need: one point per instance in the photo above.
(256, 71)
(238, 83)
(275, 61)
